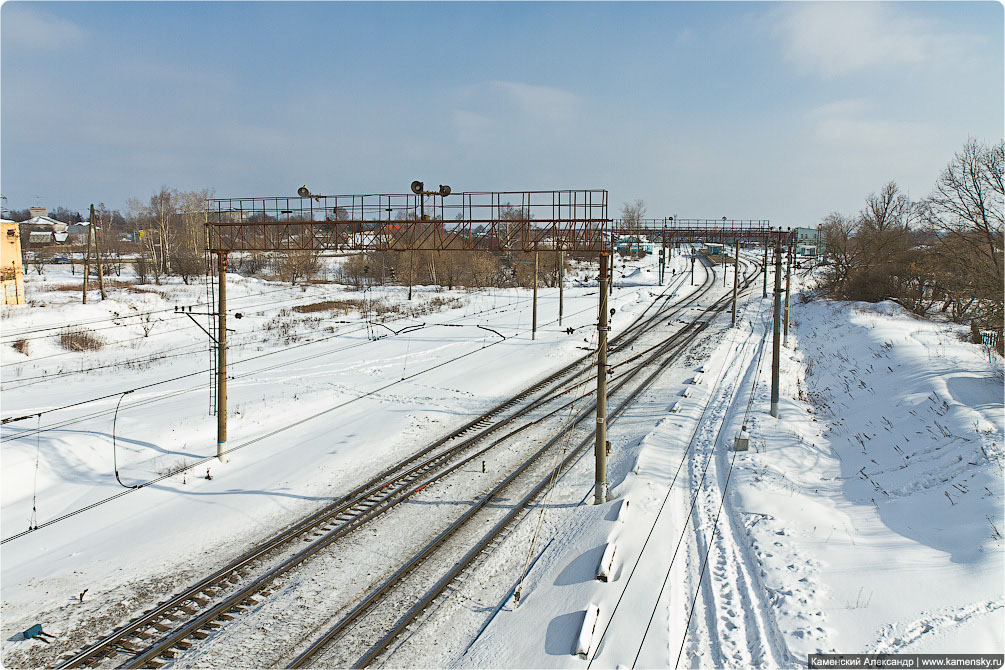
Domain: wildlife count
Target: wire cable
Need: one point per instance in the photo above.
(115, 458)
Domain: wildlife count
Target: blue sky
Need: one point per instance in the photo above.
(784, 111)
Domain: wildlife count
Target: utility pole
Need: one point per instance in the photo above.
(561, 283)
(788, 280)
(775, 340)
(723, 252)
(610, 281)
(533, 328)
(663, 256)
(410, 252)
(764, 291)
(736, 275)
(600, 490)
(97, 254)
(87, 259)
(221, 369)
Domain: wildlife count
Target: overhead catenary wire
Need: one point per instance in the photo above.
(556, 470)
(649, 536)
(255, 440)
(33, 520)
(115, 456)
(252, 441)
(176, 378)
(19, 334)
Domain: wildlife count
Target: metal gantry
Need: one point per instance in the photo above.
(563, 221)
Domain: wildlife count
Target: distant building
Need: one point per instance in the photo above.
(11, 268)
(43, 230)
(78, 232)
(634, 244)
(810, 242)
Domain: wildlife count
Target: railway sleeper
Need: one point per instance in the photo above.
(200, 635)
(181, 644)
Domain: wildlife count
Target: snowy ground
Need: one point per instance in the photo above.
(867, 518)
(363, 401)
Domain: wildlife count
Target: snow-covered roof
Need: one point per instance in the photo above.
(45, 221)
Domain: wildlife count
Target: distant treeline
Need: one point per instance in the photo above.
(941, 253)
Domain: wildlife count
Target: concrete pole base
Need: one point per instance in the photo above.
(600, 493)
(221, 451)
(774, 409)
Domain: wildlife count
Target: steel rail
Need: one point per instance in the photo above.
(112, 644)
(244, 595)
(377, 595)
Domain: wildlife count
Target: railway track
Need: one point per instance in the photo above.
(192, 614)
(455, 549)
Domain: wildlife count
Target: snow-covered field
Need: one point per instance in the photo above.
(867, 518)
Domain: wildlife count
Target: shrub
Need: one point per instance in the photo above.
(21, 346)
(80, 340)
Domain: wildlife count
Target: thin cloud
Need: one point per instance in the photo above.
(540, 103)
(25, 28)
(840, 38)
(850, 124)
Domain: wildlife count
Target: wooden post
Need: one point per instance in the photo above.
(788, 281)
(87, 260)
(97, 254)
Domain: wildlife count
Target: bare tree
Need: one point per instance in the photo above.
(293, 265)
(160, 215)
(966, 208)
(632, 214)
(39, 258)
(843, 253)
(189, 257)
